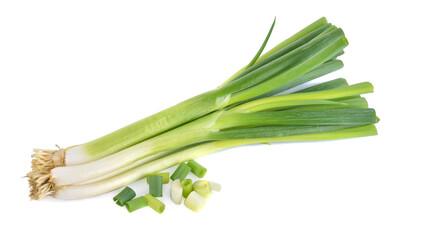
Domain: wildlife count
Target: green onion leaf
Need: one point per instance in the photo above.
(336, 83)
(348, 103)
(155, 204)
(345, 91)
(156, 185)
(125, 195)
(262, 46)
(181, 172)
(197, 169)
(187, 187)
(136, 204)
(301, 117)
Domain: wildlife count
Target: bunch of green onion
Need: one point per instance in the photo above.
(243, 110)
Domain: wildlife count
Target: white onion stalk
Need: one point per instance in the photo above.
(79, 173)
(128, 167)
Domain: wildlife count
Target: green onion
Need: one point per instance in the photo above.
(155, 204)
(181, 172)
(215, 186)
(164, 175)
(318, 51)
(242, 111)
(136, 204)
(176, 191)
(124, 196)
(195, 202)
(187, 187)
(156, 185)
(203, 188)
(197, 169)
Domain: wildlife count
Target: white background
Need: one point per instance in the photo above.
(72, 71)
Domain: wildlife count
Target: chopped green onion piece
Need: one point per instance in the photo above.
(215, 186)
(125, 195)
(165, 176)
(203, 188)
(136, 204)
(155, 204)
(156, 185)
(197, 169)
(187, 187)
(195, 202)
(181, 172)
(176, 191)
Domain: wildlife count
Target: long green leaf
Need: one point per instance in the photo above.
(362, 116)
(252, 62)
(336, 83)
(352, 90)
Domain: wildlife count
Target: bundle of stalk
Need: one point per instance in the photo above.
(243, 110)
